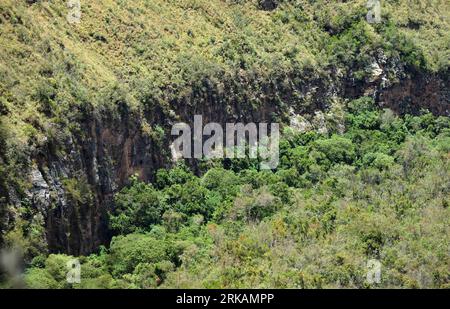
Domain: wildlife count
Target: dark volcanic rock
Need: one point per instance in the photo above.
(268, 5)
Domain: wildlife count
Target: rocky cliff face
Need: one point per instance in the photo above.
(73, 182)
(420, 91)
(74, 185)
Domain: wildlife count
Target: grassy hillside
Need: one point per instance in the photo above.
(169, 45)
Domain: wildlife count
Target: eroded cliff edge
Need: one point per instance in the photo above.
(73, 183)
(74, 152)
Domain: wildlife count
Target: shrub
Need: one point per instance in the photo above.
(127, 252)
(136, 207)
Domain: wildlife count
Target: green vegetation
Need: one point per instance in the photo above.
(148, 54)
(377, 187)
(380, 190)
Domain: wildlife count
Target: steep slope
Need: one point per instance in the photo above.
(84, 106)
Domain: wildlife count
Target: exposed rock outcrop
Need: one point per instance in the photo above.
(268, 5)
(99, 161)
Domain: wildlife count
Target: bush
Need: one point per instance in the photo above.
(191, 198)
(336, 150)
(127, 252)
(138, 207)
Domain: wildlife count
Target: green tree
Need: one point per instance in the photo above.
(137, 207)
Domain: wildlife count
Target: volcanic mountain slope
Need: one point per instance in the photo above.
(84, 106)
